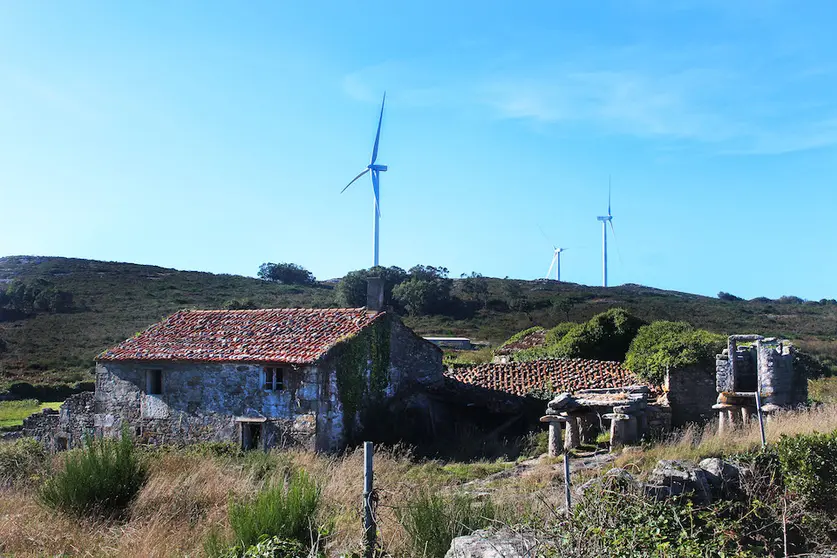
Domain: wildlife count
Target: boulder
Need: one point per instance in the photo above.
(487, 543)
(678, 478)
(724, 478)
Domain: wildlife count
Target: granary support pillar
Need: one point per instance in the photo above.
(573, 437)
(555, 443)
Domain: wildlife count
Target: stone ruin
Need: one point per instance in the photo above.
(752, 366)
(625, 411)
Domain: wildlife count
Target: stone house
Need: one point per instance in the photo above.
(315, 378)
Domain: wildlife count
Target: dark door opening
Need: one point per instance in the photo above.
(251, 435)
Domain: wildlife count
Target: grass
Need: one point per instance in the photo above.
(115, 300)
(12, 413)
(188, 494)
(823, 390)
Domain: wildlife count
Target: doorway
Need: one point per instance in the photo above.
(251, 435)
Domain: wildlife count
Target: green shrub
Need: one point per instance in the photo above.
(287, 512)
(99, 479)
(662, 345)
(266, 547)
(22, 460)
(534, 444)
(809, 468)
(554, 335)
(605, 336)
(432, 521)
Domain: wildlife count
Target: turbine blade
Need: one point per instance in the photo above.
(376, 189)
(353, 180)
(555, 257)
(608, 197)
(378, 133)
(615, 241)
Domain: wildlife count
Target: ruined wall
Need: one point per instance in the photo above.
(691, 393)
(201, 402)
(780, 384)
(65, 428)
(413, 358)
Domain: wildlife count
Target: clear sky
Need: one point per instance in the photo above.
(216, 136)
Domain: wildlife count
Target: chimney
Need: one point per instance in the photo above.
(375, 294)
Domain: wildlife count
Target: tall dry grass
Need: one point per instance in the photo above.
(697, 442)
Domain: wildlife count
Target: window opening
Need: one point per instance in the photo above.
(154, 382)
(274, 379)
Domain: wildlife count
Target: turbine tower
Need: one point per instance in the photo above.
(605, 219)
(556, 263)
(375, 170)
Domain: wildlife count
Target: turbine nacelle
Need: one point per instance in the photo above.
(377, 167)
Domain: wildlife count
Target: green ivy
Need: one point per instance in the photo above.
(353, 361)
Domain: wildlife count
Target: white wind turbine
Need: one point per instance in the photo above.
(605, 219)
(556, 263)
(376, 181)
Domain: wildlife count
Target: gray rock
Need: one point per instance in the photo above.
(679, 478)
(615, 478)
(504, 543)
(724, 478)
(561, 402)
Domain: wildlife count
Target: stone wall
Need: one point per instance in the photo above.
(413, 358)
(65, 428)
(691, 393)
(780, 384)
(206, 402)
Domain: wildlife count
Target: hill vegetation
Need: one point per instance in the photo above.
(106, 302)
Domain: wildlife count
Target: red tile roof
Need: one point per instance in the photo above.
(287, 335)
(534, 339)
(553, 375)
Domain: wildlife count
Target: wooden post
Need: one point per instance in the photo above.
(368, 518)
(567, 486)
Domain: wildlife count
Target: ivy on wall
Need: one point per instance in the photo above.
(363, 368)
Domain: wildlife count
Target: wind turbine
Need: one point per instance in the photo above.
(556, 263)
(375, 169)
(605, 219)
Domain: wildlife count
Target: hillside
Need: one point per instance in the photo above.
(112, 301)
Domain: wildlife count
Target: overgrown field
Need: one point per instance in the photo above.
(207, 499)
(12, 413)
(112, 301)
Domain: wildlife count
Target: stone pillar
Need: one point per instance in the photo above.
(745, 416)
(619, 429)
(573, 438)
(555, 445)
(725, 416)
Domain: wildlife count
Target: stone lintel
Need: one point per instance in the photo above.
(553, 418)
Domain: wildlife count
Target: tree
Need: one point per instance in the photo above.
(728, 297)
(351, 290)
(563, 305)
(428, 272)
(513, 295)
(663, 346)
(475, 287)
(422, 296)
(286, 273)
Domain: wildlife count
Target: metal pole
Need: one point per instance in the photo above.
(368, 519)
(761, 415)
(567, 489)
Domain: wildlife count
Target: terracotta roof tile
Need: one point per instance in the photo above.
(534, 339)
(288, 335)
(553, 375)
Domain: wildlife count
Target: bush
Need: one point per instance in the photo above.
(351, 290)
(606, 336)
(286, 512)
(22, 460)
(728, 297)
(557, 333)
(809, 468)
(99, 479)
(432, 521)
(240, 304)
(267, 547)
(520, 335)
(662, 345)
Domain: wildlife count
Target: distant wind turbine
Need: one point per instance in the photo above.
(605, 219)
(556, 263)
(376, 183)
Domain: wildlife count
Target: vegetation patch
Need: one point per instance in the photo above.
(100, 479)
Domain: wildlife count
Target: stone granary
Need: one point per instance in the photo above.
(588, 412)
(316, 378)
(754, 364)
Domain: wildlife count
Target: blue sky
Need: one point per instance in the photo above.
(215, 136)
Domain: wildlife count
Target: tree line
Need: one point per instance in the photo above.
(38, 295)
